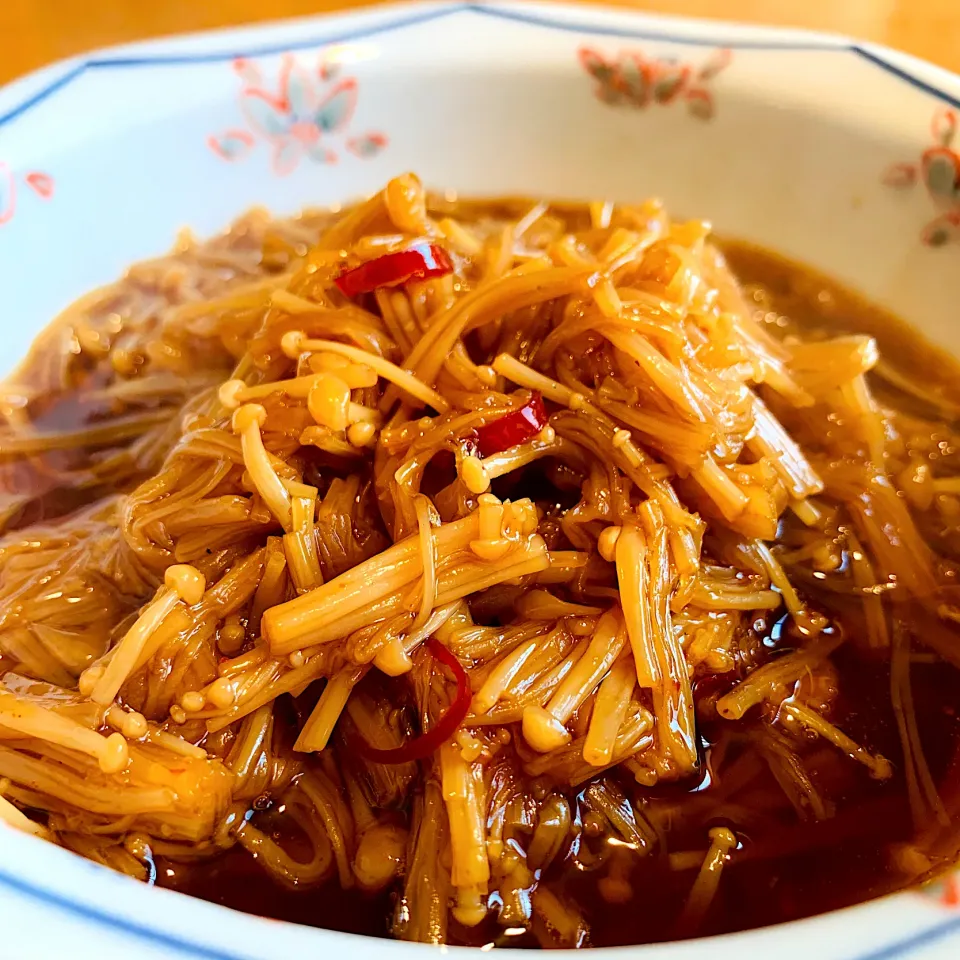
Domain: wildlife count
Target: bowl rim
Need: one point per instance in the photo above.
(22, 94)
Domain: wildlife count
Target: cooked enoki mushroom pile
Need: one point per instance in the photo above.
(506, 559)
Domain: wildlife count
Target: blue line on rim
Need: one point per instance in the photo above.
(43, 93)
(84, 912)
(105, 63)
(540, 20)
(898, 949)
(924, 938)
(904, 75)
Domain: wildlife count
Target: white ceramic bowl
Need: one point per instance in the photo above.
(832, 152)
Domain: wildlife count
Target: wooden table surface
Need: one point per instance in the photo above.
(36, 32)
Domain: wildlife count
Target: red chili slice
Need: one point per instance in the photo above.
(417, 748)
(418, 262)
(513, 428)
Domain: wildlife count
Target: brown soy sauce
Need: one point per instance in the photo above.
(786, 869)
(234, 879)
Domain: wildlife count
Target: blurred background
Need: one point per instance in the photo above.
(36, 32)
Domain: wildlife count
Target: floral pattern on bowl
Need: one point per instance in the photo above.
(305, 114)
(632, 78)
(939, 171)
(40, 183)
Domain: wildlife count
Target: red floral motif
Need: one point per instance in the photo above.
(232, 144)
(307, 114)
(40, 183)
(8, 194)
(939, 171)
(633, 79)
